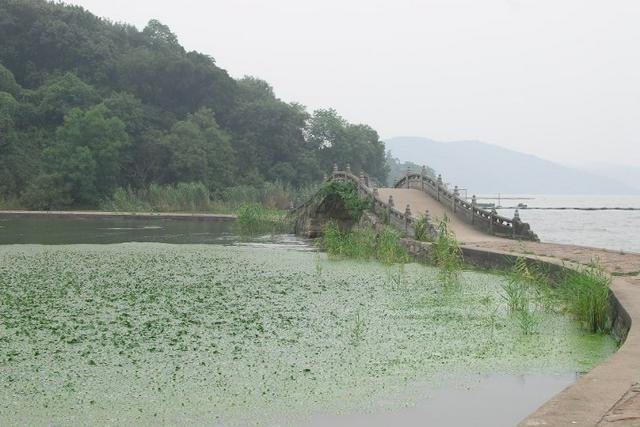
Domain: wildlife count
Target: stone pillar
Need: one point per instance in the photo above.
(407, 218)
(324, 177)
(406, 176)
(492, 218)
(335, 168)
(474, 202)
(456, 194)
(362, 178)
(348, 168)
(423, 172)
(439, 184)
(389, 208)
(516, 224)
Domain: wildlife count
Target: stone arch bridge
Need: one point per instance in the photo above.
(414, 196)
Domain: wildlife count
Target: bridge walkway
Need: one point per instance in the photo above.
(420, 202)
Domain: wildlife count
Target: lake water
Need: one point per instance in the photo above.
(172, 322)
(610, 229)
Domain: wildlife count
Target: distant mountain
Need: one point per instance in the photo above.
(488, 169)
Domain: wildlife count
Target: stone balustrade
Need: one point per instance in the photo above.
(484, 220)
(487, 221)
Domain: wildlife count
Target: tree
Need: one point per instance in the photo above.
(69, 179)
(87, 105)
(8, 82)
(337, 140)
(160, 35)
(60, 95)
(200, 151)
(104, 137)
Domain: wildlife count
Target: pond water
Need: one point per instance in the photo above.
(157, 327)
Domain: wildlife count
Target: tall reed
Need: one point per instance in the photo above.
(254, 218)
(586, 295)
(364, 243)
(446, 253)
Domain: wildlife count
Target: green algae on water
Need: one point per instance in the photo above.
(194, 334)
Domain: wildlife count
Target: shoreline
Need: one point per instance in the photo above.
(184, 216)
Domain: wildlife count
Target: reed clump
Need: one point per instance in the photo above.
(364, 243)
(446, 253)
(254, 218)
(422, 229)
(586, 296)
(526, 291)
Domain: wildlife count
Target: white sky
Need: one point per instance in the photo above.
(555, 78)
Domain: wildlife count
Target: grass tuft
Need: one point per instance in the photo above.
(364, 243)
(586, 295)
(254, 218)
(446, 254)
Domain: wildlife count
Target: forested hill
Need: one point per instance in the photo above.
(88, 105)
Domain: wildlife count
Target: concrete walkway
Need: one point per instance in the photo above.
(421, 202)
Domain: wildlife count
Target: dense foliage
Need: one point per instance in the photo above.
(88, 106)
(347, 193)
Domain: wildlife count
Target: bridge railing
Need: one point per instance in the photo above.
(402, 219)
(485, 220)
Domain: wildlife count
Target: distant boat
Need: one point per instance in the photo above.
(522, 206)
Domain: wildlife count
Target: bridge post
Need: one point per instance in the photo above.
(407, 218)
(516, 224)
(456, 194)
(474, 202)
(423, 172)
(439, 184)
(362, 178)
(492, 216)
(335, 168)
(389, 208)
(406, 176)
(348, 168)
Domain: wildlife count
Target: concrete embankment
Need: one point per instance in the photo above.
(117, 215)
(609, 395)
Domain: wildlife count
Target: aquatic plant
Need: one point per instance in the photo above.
(586, 294)
(396, 276)
(422, 229)
(446, 253)
(358, 329)
(254, 218)
(347, 193)
(148, 333)
(364, 243)
(196, 197)
(526, 290)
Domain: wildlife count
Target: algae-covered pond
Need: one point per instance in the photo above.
(259, 333)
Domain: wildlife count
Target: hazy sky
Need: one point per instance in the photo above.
(555, 78)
